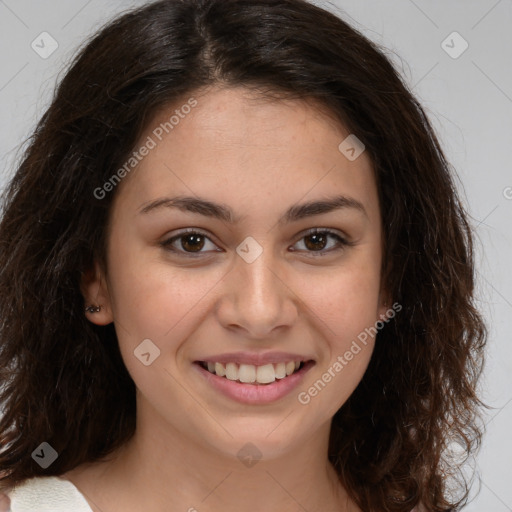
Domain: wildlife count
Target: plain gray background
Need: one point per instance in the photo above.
(468, 97)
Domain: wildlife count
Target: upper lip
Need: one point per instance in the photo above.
(255, 358)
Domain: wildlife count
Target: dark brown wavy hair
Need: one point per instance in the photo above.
(62, 378)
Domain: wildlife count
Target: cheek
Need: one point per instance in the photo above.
(347, 342)
(331, 386)
(155, 300)
(346, 299)
(347, 310)
(165, 308)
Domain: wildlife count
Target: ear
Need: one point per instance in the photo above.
(95, 291)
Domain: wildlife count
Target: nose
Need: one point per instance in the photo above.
(258, 300)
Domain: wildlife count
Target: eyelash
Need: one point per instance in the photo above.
(342, 242)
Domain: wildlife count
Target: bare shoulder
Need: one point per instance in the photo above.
(5, 503)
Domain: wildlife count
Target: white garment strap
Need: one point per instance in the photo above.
(47, 494)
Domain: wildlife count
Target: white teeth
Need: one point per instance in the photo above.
(220, 370)
(249, 373)
(232, 371)
(265, 374)
(280, 371)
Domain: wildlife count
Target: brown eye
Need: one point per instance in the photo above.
(317, 240)
(190, 242)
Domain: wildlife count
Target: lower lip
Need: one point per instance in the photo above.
(255, 394)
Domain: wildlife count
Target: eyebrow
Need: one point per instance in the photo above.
(225, 213)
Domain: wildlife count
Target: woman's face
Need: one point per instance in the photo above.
(250, 286)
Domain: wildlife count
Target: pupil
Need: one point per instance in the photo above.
(192, 240)
(319, 237)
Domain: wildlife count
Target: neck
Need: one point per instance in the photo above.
(175, 472)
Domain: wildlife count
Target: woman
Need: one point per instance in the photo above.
(235, 274)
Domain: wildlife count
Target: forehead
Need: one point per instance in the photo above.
(248, 150)
(232, 117)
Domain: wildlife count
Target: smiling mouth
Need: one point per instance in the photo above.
(252, 374)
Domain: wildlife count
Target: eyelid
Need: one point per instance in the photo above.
(342, 242)
(166, 243)
(332, 231)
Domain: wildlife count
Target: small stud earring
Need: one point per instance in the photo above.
(92, 309)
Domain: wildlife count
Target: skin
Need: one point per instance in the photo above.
(5, 502)
(259, 158)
